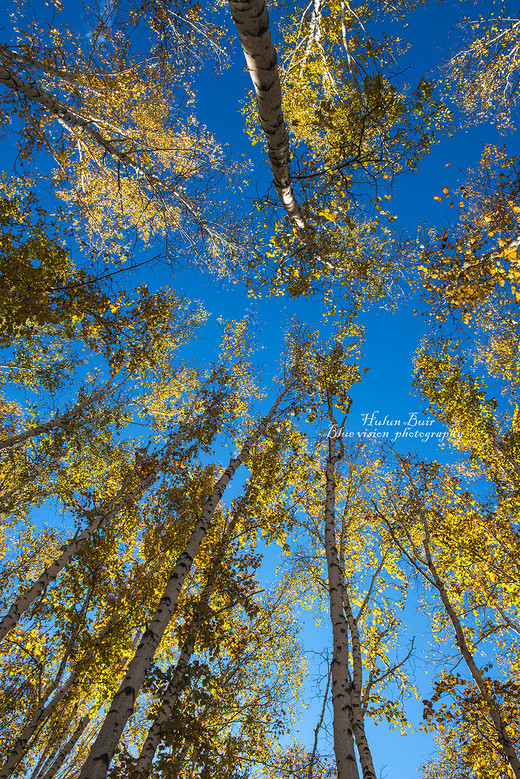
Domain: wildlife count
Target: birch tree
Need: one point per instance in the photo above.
(482, 76)
(351, 129)
(424, 521)
(105, 110)
(122, 705)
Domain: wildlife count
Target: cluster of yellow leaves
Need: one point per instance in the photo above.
(463, 267)
(483, 76)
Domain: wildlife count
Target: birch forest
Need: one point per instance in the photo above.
(259, 389)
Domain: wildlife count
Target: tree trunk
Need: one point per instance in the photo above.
(67, 748)
(252, 22)
(171, 696)
(121, 500)
(61, 420)
(341, 697)
(179, 678)
(49, 752)
(74, 122)
(494, 711)
(42, 713)
(427, 564)
(39, 717)
(363, 748)
(102, 752)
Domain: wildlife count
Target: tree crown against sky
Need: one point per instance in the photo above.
(186, 479)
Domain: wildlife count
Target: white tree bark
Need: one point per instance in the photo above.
(67, 748)
(363, 748)
(73, 121)
(117, 504)
(171, 696)
(427, 568)
(493, 708)
(102, 752)
(341, 695)
(179, 678)
(252, 22)
(39, 717)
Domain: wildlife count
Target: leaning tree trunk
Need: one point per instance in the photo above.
(435, 579)
(120, 501)
(179, 678)
(102, 752)
(45, 710)
(341, 696)
(492, 705)
(69, 117)
(63, 421)
(170, 698)
(67, 748)
(252, 22)
(72, 120)
(39, 717)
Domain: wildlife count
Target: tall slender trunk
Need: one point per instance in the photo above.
(341, 694)
(39, 717)
(435, 579)
(72, 120)
(179, 678)
(69, 117)
(66, 749)
(102, 752)
(363, 748)
(252, 22)
(60, 420)
(46, 757)
(48, 753)
(45, 710)
(120, 501)
(493, 708)
(171, 696)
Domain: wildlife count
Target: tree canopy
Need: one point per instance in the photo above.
(225, 550)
